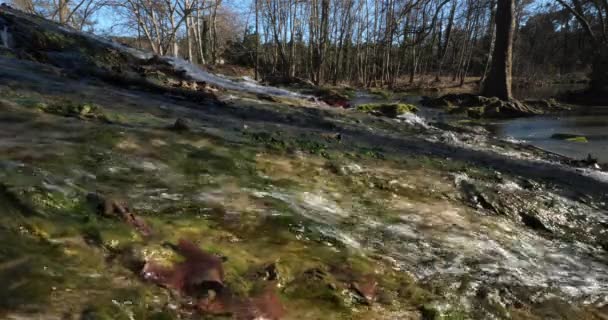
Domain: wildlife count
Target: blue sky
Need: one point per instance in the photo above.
(107, 20)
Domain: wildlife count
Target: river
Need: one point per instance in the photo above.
(589, 121)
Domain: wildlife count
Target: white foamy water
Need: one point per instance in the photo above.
(313, 206)
(445, 239)
(414, 120)
(245, 85)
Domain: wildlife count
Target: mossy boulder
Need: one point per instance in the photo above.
(478, 107)
(337, 97)
(570, 137)
(391, 110)
(86, 111)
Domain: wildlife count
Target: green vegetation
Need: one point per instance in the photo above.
(391, 110)
(578, 139)
(570, 137)
(70, 108)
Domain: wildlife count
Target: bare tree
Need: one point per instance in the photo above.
(498, 82)
(599, 74)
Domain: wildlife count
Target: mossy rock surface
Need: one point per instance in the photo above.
(335, 96)
(70, 108)
(478, 107)
(391, 110)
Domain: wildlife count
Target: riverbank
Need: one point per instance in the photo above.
(185, 194)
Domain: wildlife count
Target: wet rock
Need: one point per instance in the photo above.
(350, 169)
(333, 97)
(530, 185)
(533, 222)
(474, 196)
(190, 85)
(589, 161)
(267, 97)
(269, 272)
(181, 125)
(391, 110)
(115, 208)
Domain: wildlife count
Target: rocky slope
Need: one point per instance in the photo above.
(133, 190)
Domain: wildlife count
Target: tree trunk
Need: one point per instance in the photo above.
(63, 10)
(492, 34)
(257, 41)
(448, 36)
(498, 82)
(599, 71)
(214, 42)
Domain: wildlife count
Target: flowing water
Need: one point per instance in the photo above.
(268, 184)
(588, 121)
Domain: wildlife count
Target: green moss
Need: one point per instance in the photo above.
(319, 286)
(44, 39)
(476, 112)
(391, 110)
(578, 139)
(570, 137)
(70, 108)
(277, 142)
(386, 94)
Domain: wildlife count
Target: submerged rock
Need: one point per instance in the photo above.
(570, 137)
(115, 208)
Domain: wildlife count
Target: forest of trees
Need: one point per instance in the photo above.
(364, 42)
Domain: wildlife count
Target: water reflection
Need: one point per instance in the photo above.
(590, 122)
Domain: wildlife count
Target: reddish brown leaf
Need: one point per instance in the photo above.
(201, 276)
(199, 273)
(366, 287)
